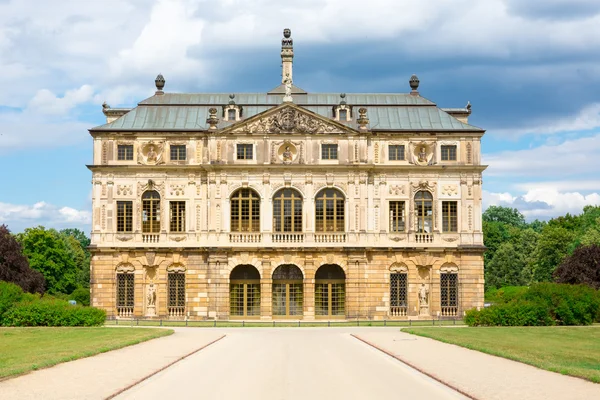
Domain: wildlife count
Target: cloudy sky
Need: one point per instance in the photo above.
(531, 70)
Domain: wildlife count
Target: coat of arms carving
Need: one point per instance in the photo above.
(289, 120)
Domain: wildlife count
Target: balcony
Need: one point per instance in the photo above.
(423, 237)
(150, 237)
(245, 237)
(330, 237)
(287, 237)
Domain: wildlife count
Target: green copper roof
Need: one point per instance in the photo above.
(183, 112)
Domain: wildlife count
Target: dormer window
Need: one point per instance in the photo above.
(343, 115)
(231, 114)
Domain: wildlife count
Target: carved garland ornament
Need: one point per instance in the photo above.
(288, 120)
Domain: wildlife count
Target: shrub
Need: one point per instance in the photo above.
(510, 314)
(52, 313)
(505, 294)
(9, 295)
(568, 304)
(81, 296)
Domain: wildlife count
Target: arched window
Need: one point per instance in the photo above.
(424, 208)
(329, 207)
(330, 291)
(288, 296)
(245, 211)
(287, 211)
(244, 292)
(151, 212)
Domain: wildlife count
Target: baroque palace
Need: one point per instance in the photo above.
(286, 204)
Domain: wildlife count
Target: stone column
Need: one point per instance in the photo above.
(266, 288)
(309, 287)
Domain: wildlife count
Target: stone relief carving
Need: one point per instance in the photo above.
(450, 238)
(178, 238)
(397, 238)
(150, 153)
(422, 153)
(104, 152)
(124, 190)
(449, 190)
(470, 217)
(397, 190)
(469, 153)
(103, 217)
(289, 120)
(177, 190)
(124, 238)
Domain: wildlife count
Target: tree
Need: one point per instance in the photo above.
(506, 267)
(506, 215)
(494, 234)
(81, 259)
(582, 267)
(14, 266)
(79, 235)
(49, 253)
(552, 247)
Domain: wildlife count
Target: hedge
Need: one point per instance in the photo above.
(52, 313)
(9, 295)
(541, 304)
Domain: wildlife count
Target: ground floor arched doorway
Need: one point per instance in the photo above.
(244, 292)
(288, 293)
(330, 291)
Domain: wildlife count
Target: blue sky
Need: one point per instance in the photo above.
(531, 70)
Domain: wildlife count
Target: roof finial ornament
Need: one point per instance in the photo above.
(343, 98)
(414, 84)
(212, 119)
(160, 84)
(288, 89)
(232, 99)
(287, 54)
(362, 120)
(468, 106)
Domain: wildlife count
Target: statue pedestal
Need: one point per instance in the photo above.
(424, 310)
(151, 311)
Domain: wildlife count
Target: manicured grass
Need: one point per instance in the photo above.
(27, 349)
(281, 324)
(568, 350)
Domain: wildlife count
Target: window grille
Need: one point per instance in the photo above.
(176, 288)
(329, 151)
(329, 205)
(177, 216)
(287, 211)
(398, 297)
(124, 216)
(288, 295)
(125, 152)
(449, 293)
(178, 152)
(245, 211)
(151, 212)
(244, 152)
(397, 223)
(449, 216)
(125, 294)
(396, 152)
(448, 152)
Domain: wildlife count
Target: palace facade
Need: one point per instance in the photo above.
(286, 204)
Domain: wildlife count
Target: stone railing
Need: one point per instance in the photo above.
(150, 237)
(287, 237)
(451, 311)
(176, 311)
(399, 311)
(245, 237)
(125, 311)
(330, 237)
(424, 237)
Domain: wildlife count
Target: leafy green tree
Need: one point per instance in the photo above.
(78, 243)
(591, 236)
(582, 267)
(79, 235)
(494, 234)
(537, 225)
(14, 266)
(552, 247)
(505, 215)
(48, 252)
(505, 268)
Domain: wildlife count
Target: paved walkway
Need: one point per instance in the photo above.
(480, 375)
(101, 376)
(290, 364)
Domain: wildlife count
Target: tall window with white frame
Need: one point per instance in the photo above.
(449, 216)
(124, 216)
(151, 212)
(449, 293)
(125, 152)
(449, 152)
(177, 212)
(329, 211)
(398, 294)
(125, 294)
(244, 151)
(397, 221)
(329, 151)
(424, 210)
(396, 152)
(176, 289)
(245, 211)
(287, 211)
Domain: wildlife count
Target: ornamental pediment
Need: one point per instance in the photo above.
(288, 118)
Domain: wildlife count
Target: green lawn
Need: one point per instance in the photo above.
(26, 349)
(568, 350)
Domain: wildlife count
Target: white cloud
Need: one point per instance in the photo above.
(18, 216)
(543, 203)
(47, 102)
